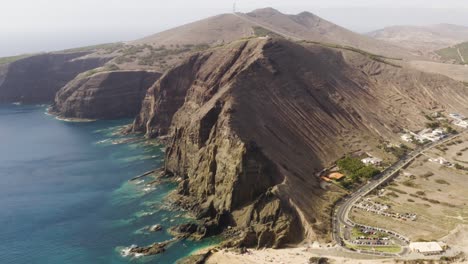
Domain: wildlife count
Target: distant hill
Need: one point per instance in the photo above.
(423, 38)
(226, 28)
(457, 54)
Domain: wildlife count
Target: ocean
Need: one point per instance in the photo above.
(65, 195)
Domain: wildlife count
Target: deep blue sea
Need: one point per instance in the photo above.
(65, 197)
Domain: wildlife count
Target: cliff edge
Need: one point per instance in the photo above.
(37, 78)
(105, 95)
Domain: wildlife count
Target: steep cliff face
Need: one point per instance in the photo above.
(106, 95)
(36, 79)
(252, 122)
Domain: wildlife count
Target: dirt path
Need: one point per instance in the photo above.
(461, 57)
(267, 27)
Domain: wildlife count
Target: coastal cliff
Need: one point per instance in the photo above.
(105, 95)
(252, 122)
(37, 78)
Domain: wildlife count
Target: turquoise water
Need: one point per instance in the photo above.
(65, 195)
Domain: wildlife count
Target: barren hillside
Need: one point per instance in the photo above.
(423, 38)
(304, 26)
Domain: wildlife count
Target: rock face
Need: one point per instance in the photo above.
(154, 249)
(251, 123)
(106, 95)
(36, 79)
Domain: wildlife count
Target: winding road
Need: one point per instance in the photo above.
(341, 223)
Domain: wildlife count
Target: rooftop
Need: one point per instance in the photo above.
(336, 175)
(425, 247)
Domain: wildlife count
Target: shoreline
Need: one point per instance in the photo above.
(51, 112)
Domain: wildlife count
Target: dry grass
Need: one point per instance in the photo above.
(440, 201)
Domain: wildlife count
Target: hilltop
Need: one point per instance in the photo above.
(225, 28)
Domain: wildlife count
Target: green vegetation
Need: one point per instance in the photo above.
(428, 117)
(318, 260)
(263, 32)
(433, 125)
(427, 175)
(355, 171)
(5, 60)
(409, 183)
(451, 53)
(106, 68)
(149, 55)
(397, 151)
(450, 129)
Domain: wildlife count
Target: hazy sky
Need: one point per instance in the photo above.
(44, 25)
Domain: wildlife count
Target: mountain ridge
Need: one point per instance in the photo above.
(228, 27)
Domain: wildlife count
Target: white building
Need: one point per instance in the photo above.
(461, 123)
(432, 135)
(440, 160)
(426, 248)
(372, 161)
(457, 116)
(407, 138)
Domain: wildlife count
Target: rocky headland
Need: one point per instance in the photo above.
(36, 79)
(250, 123)
(104, 95)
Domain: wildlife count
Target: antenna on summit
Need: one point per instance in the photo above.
(234, 8)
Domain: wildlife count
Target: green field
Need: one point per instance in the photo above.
(451, 53)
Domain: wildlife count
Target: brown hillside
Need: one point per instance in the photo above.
(304, 26)
(252, 122)
(423, 38)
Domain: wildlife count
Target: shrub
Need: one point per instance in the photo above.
(409, 183)
(432, 125)
(440, 181)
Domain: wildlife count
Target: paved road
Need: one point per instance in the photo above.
(340, 220)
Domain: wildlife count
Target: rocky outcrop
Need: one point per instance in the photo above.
(251, 123)
(105, 95)
(154, 249)
(36, 79)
